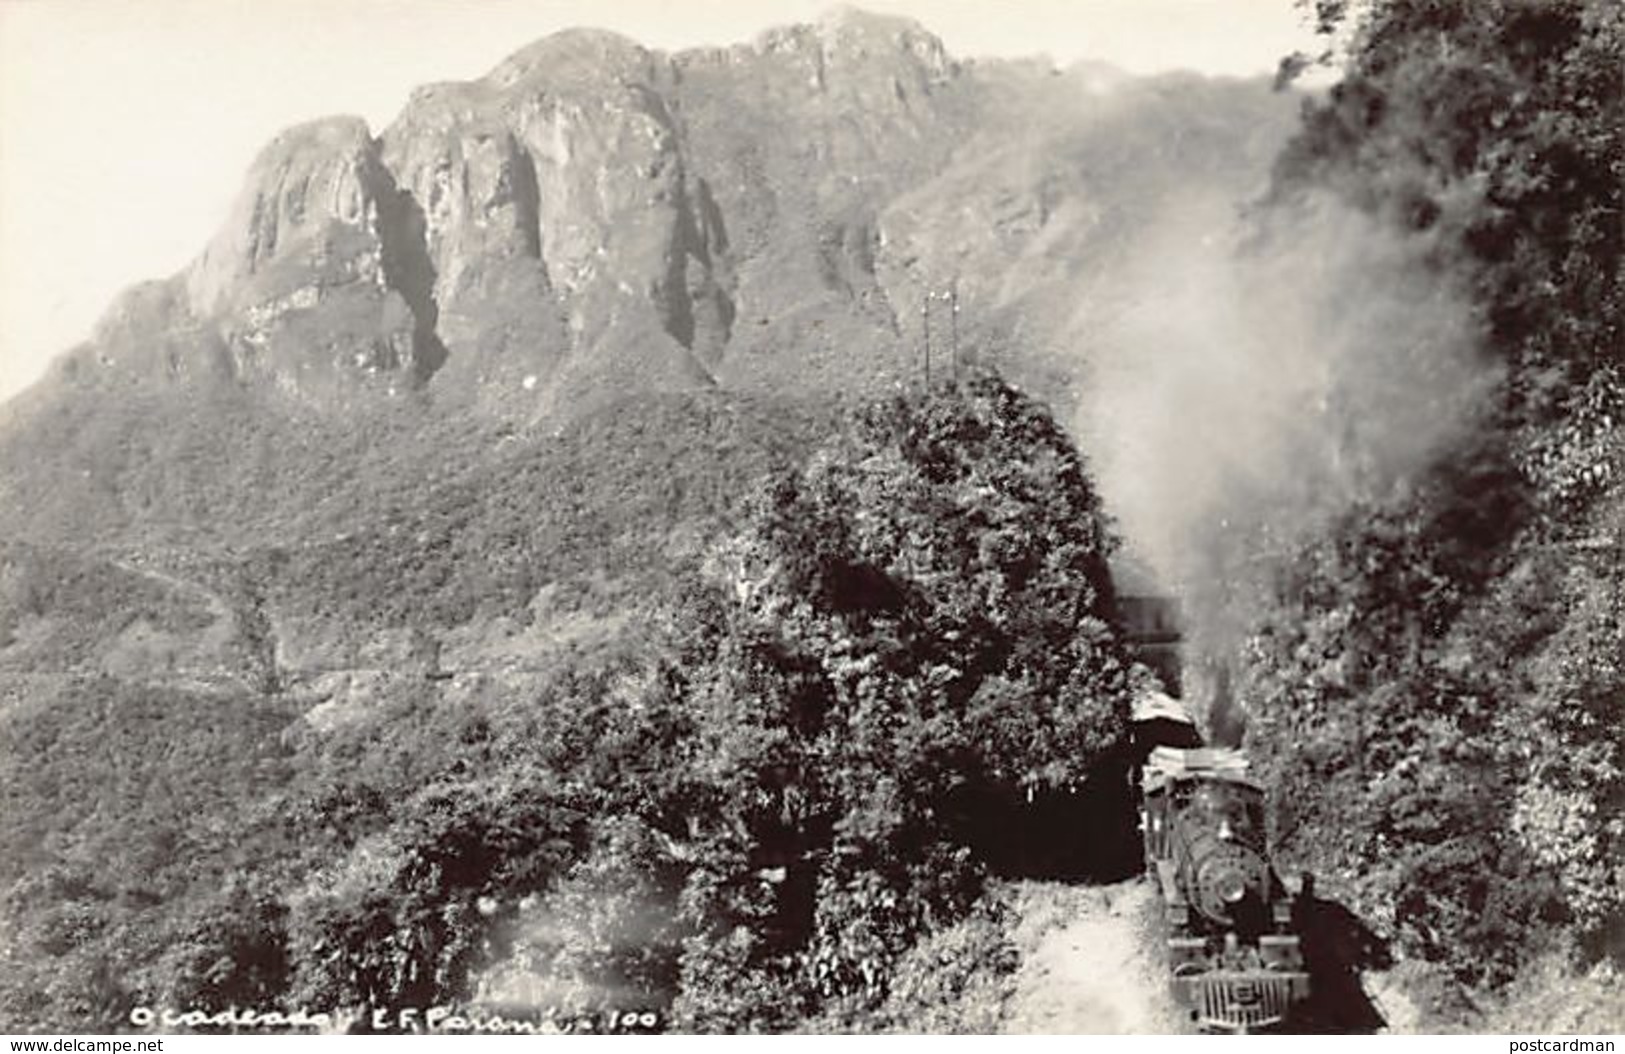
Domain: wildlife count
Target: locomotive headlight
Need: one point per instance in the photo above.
(1230, 885)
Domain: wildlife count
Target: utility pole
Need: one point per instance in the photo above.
(950, 296)
(925, 326)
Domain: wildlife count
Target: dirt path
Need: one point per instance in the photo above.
(219, 610)
(1089, 962)
(203, 658)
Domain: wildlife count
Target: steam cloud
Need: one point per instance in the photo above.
(1256, 377)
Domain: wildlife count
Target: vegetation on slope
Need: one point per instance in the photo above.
(745, 812)
(1435, 683)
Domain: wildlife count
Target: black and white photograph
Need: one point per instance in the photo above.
(924, 517)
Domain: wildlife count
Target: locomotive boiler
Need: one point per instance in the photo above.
(1235, 959)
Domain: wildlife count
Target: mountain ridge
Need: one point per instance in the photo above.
(587, 217)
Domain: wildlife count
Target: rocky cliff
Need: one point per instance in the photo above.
(593, 218)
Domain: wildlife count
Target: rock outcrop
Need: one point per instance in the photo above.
(594, 218)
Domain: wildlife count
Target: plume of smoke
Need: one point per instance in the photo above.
(1257, 376)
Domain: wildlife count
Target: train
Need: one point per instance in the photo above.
(1234, 953)
(1235, 959)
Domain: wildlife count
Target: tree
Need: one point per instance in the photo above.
(917, 623)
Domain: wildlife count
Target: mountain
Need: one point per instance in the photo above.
(496, 373)
(488, 380)
(593, 220)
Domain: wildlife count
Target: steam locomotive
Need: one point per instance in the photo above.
(1236, 962)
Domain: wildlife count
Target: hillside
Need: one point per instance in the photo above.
(555, 731)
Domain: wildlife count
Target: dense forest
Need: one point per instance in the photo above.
(1435, 682)
(743, 813)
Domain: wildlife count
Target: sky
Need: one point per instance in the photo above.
(126, 127)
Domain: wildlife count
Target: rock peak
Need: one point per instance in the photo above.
(335, 132)
(852, 20)
(850, 36)
(590, 54)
